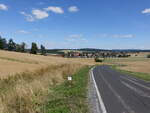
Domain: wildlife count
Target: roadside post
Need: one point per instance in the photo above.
(69, 80)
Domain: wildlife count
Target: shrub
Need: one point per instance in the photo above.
(148, 56)
(98, 60)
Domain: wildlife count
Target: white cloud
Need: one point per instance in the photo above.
(36, 14)
(76, 36)
(123, 36)
(115, 35)
(145, 11)
(3, 7)
(29, 17)
(39, 14)
(73, 9)
(23, 32)
(58, 10)
(102, 35)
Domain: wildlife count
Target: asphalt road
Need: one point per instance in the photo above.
(121, 93)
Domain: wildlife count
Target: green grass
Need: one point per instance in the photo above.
(144, 76)
(69, 97)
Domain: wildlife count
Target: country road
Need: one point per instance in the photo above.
(121, 93)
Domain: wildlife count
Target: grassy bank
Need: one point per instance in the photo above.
(27, 92)
(69, 97)
(144, 76)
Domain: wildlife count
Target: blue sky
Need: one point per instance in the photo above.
(106, 24)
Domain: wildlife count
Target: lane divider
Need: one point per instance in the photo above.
(98, 93)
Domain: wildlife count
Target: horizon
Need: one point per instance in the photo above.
(77, 24)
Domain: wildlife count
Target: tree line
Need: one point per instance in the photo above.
(10, 45)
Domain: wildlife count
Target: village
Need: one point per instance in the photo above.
(100, 54)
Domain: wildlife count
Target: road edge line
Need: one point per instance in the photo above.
(98, 93)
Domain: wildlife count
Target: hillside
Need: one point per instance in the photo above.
(14, 62)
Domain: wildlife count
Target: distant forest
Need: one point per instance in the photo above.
(10, 45)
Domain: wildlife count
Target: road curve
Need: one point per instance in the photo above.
(121, 93)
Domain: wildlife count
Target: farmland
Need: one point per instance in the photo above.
(26, 79)
(135, 64)
(13, 62)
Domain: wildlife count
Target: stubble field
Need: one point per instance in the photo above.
(137, 63)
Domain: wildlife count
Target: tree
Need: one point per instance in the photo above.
(34, 48)
(3, 43)
(11, 45)
(22, 47)
(148, 56)
(43, 50)
(98, 60)
(18, 48)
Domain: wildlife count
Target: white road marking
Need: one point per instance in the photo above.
(141, 93)
(98, 94)
(118, 96)
(137, 79)
(132, 78)
(143, 86)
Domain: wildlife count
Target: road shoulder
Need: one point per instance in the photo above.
(94, 104)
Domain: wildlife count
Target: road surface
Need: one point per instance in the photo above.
(121, 93)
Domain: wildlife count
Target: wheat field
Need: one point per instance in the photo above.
(25, 79)
(13, 62)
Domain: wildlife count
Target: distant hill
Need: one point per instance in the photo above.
(60, 51)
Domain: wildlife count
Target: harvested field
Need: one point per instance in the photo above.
(135, 64)
(138, 66)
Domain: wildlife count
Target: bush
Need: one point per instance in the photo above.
(148, 56)
(98, 60)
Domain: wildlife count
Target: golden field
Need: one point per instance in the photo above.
(26, 79)
(13, 62)
(137, 63)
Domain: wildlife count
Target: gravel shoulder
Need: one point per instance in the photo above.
(94, 105)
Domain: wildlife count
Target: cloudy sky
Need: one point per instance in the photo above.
(107, 24)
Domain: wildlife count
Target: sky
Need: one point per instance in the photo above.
(103, 24)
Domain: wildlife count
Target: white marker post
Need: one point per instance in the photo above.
(70, 81)
(69, 78)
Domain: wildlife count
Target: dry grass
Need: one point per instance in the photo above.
(13, 62)
(25, 79)
(135, 64)
(26, 92)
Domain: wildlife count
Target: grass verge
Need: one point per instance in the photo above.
(26, 92)
(69, 97)
(144, 76)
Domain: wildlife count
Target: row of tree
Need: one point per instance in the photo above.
(10, 45)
